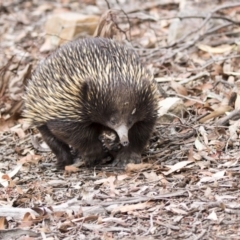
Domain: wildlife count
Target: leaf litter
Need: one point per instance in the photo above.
(187, 184)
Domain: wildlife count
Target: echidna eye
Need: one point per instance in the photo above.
(113, 121)
(130, 121)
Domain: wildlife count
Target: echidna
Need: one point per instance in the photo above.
(87, 87)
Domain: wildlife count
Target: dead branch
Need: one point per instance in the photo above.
(234, 115)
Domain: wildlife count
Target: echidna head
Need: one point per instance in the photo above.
(118, 104)
(121, 120)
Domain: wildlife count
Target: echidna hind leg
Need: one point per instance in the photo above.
(83, 139)
(59, 148)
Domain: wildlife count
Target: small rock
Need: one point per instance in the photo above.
(64, 26)
(169, 108)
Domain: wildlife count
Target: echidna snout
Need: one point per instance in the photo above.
(122, 132)
(121, 121)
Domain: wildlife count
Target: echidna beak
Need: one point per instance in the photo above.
(122, 132)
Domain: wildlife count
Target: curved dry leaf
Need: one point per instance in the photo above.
(216, 113)
(219, 49)
(177, 167)
(5, 177)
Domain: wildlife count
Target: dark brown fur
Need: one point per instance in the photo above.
(88, 87)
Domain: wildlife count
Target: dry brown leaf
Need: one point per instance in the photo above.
(131, 167)
(227, 67)
(105, 180)
(6, 179)
(148, 40)
(43, 8)
(179, 88)
(122, 177)
(27, 220)
(189, 103)
(3, 223)
(217, 70)
(163, 180)
(176, 210)
(214, 177)
(87, 194)
(16, 85)
(6, 124)
(190, 154)
(216, 113)
(71, 168)
(196, 156)
(63, 228)
(111, 181)
(177, 167)
(108, 236)
(152, 176)
(30, 159)
(19, 131)
(113, 191)
(207, 86)
(219, 49)
(19, 189)
(129, 208)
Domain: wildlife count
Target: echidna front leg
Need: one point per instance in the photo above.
(59, 148)
(84, 139)
(138, 136)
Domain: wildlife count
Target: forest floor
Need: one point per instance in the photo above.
(187, 186)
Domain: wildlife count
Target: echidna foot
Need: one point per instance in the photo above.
(123, 158)
(94, 157)
(64, 159)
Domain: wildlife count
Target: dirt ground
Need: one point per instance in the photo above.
(187, 186)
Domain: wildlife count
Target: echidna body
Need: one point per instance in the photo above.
(87, 87)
